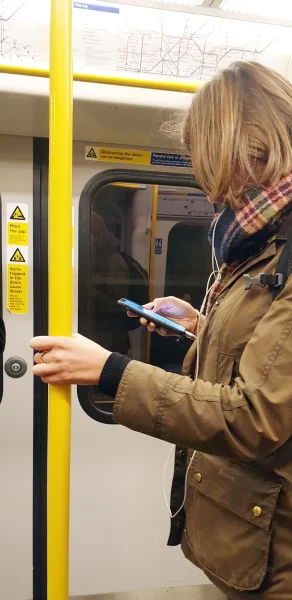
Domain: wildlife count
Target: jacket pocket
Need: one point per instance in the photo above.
(229, 513)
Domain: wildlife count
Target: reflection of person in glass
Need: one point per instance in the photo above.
(110, 281)
(187, 298)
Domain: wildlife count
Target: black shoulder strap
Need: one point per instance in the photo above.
(284, 265)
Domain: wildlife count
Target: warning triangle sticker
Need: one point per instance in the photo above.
(17, 215)
(17, 256)
(91, 153)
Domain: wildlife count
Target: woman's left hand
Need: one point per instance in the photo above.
(65, 360)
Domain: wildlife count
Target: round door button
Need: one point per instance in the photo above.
(15, 367)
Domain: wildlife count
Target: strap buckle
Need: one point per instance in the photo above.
(262, 280)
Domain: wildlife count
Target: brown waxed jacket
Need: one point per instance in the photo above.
(237, 522)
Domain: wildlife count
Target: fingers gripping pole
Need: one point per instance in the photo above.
(60, 291)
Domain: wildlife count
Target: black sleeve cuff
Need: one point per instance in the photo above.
(112, 373)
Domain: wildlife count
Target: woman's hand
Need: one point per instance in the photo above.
(176, 309)
(66, 360)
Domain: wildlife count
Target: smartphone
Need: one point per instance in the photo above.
(153, 317)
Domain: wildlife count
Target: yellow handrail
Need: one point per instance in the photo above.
(185, 86)
(60, 292)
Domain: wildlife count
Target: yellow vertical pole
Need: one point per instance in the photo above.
(152, 261)
(60, 292)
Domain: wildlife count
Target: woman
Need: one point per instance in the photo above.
(237, 413)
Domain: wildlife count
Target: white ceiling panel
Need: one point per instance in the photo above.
(262, 8)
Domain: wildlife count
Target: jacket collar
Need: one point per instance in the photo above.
(268, 252)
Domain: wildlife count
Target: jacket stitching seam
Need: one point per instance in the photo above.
(221, 324)
(209, 398)
(159, 416)
(273, 355)
(120, 391)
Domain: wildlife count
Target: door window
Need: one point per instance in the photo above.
(138, 246)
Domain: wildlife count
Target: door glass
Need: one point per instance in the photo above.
(187, 268)
(124, 222)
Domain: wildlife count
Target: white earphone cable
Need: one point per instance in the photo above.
(215, 273)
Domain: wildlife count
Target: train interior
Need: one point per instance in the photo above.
(136, 232)
(140, 230)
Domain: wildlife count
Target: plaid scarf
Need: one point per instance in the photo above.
(241, 234)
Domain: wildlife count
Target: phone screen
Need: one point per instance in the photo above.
(163, 321)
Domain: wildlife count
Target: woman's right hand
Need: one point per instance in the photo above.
(173, 308)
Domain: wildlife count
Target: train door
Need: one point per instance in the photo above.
(16, 409)
(119, 523)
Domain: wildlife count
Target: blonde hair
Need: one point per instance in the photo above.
(238, 131)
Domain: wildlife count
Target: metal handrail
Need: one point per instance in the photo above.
(184, 86)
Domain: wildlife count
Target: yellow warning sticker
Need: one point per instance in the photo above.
(17, 280)
(17, 258)
(17, 215)
(124, 155)
(91, 153)
(18, 289)
(17, 233)
(17, 224)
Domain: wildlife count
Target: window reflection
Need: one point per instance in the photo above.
(120, 252)
(110, 281)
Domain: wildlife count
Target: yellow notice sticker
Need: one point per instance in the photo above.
(118, 155)
(17, 224)
(17, 233)
(17, 280)
(17, 258)
(18, 289)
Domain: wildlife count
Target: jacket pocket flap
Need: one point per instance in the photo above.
(238, 488)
